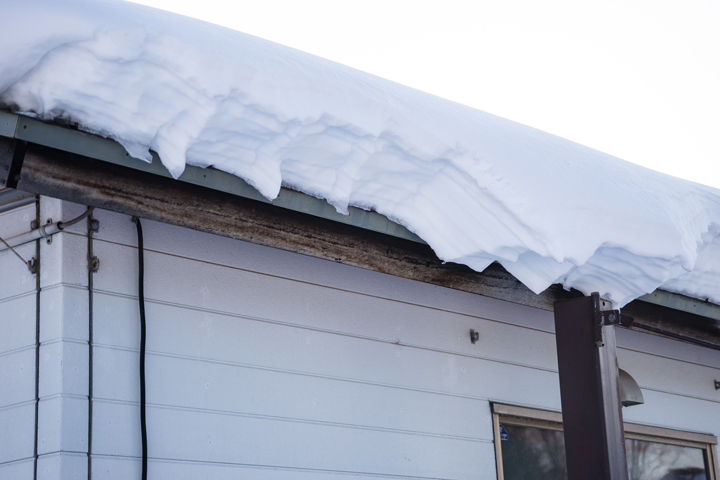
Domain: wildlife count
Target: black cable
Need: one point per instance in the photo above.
(679, 336)
(141, 300)
(92, 227)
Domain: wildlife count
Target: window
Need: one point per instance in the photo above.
(529, 444)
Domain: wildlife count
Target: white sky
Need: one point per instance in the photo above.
(636, 79)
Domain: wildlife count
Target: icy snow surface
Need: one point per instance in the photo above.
(476, 187)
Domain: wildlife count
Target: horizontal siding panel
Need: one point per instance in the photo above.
(15, 278)
(63, 368)
(64, 313)
(19, 470)
(179, 331)
(63, 422)
(215, 288)
(676, 412)
(17, 323)
(64, 261)
(237, 291)
(63, 466)
(17, 377)
(201, 436)
(20, 421)
(116, 319)
(112, 468)
(16, 221)
(214, 386)
(666, 347)
(219, 250)
(397, 322)
(662, 373)
(218, 288)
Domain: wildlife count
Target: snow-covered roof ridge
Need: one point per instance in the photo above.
(476, 187)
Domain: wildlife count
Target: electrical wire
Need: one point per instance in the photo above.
(13, 250)
(72, 222)
(141, 300)
(678, 336)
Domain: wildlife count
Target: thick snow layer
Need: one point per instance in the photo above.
(476, 187)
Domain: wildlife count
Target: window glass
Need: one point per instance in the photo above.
(661, 461)
(536, 453)
(539, 453)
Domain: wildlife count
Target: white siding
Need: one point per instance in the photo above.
(64, 356)
(269, 365)
(17, 350)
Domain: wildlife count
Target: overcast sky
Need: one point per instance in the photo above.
(636, 79)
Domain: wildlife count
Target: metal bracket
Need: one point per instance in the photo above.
(717, 384)
(94, 265)
(95, 225)
(607, 318)
(49, 237)
(474, 336)
(32, 265)
(12, 153)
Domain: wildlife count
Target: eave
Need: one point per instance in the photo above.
(72, 165)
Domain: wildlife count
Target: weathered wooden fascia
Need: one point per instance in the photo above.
(88, 181)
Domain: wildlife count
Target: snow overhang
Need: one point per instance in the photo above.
(475, 187)
(91, 146)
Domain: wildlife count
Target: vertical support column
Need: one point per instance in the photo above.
(589, 389)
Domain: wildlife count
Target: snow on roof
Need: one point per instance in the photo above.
(476, 187)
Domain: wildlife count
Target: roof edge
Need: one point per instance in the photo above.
(88, 145)
(74, 141)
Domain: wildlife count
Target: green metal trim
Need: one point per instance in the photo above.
(683, 303)
(8, 123)
(81, 143)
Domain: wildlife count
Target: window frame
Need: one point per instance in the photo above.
(532, 417)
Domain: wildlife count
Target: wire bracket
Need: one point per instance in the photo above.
(605, 318)
(32, 265)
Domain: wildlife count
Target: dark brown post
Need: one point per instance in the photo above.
(589, 390)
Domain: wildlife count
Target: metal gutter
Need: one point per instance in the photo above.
(81, 143)
(683, 303)
(11, 199)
